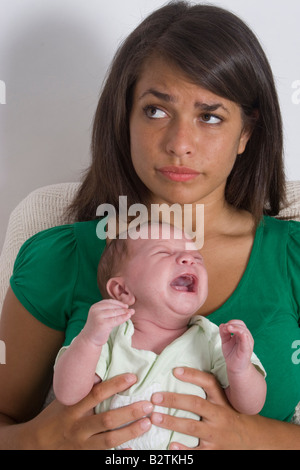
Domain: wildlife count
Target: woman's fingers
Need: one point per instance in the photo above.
(207, 381)
(191, 427)
(113, 419)
(108, 429)
(199, 429)
(197, 405)
(114, 438)
(217, 416)
(207, 409)
(104, 390)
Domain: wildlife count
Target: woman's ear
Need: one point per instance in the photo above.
(244, 139)
(118, 290)
(247, 131)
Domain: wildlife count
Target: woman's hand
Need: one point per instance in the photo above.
(74, 427)
(221, 427)
(25, 380)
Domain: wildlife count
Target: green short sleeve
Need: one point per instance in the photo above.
(293, 264)
(45, 274)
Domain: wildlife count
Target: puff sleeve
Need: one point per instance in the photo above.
(293, 265)
(45, 274)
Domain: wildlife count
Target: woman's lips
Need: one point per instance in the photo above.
(178, 173)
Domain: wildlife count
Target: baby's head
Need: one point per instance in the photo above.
(165, 271)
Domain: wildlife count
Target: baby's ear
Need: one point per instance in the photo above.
(118, 290)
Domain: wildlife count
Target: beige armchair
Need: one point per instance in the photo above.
(41, 209)
(45, 208)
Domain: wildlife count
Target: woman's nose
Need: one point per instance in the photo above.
(180, 139)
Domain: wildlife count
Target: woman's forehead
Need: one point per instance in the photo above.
(167, 81)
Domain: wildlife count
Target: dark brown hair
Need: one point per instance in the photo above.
(110, 262)
(217, 51)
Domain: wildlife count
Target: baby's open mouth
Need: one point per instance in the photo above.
(184, 283)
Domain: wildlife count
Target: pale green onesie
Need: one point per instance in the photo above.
(199, 347)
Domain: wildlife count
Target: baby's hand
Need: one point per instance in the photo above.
(103, 317)
(237, 345)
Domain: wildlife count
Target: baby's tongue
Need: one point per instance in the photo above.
(181, 283)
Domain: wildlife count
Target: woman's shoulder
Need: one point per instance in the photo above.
(58, 251)
(62, 239)
(50, 266)
(275, 228)
(281, 237)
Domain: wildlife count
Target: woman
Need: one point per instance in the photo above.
(189, 114)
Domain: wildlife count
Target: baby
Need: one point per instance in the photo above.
(146, 325)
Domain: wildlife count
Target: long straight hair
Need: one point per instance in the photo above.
(217, 51)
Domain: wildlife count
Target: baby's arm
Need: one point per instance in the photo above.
(247, 386)
(74, 374)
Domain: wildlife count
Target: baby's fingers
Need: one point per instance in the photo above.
(117, 312)
(119, 317)
(235, 327)
(104, 311)
(241, 331)
(224, 333)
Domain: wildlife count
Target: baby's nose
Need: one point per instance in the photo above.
(185, 258)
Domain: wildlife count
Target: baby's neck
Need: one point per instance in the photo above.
(152, 337)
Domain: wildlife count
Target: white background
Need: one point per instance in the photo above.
(53, 57)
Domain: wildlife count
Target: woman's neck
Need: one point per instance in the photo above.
(218, 215)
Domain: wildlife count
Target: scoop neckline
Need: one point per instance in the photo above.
(254, 251)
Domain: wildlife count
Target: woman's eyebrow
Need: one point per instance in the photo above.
(158, 94)
(209, 108)
(172, 99)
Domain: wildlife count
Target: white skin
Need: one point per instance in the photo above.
(165, 284)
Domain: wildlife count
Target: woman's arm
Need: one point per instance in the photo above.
(69, 427)
(221, 427)
(61, 427)
(31, 348)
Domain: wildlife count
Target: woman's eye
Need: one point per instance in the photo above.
(210, 118)
(154, 113)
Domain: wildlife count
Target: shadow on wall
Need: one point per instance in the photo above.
(54, 69)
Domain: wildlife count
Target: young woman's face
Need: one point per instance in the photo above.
(184, 139)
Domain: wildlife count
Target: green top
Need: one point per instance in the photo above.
(55, 279)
